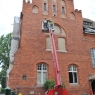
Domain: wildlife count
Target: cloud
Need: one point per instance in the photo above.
(11, 8)
(8, 9)
(87, 7)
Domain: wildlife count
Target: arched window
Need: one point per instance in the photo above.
(41, 73)
(61, 39)
(54, 8)
(72, 16)
(63, 8)
(73, 77)
(45, 7)
(35, 9)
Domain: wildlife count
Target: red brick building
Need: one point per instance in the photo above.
(33, 61)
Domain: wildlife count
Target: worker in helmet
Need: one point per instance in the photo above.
(51, 24)
(45, 22)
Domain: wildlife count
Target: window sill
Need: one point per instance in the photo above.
(48, 49)
(74, 84)
(56, 50)
(39, 85)
(61, 51)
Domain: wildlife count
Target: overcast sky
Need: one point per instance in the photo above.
(11, 8)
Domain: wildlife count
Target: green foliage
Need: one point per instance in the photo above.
(3, 78)
(64, 86)
(49, 84)
(3, 90)
(5, 44)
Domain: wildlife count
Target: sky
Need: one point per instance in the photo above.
(11, 8)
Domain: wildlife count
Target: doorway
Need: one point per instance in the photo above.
(93, 86)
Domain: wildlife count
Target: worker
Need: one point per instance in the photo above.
(50, 24)
(45, 26)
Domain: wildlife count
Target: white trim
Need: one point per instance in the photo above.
(41, 71)
(73, 73)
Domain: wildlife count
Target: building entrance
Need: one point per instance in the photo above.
(93, 86)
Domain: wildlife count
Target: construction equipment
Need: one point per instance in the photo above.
(58, 88)
(91, 92)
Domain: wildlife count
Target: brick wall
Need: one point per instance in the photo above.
(33, 48)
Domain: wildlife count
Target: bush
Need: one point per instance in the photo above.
(49, 84)
(2, 90)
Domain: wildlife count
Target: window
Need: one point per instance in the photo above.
(63, 11)
(72, 70)
(45, 7)
(35, 9)
(48, 43)
(93, 56)
(72, 16)
(91, 24)
(61, 44)
(54, 8)
(63, 8)
(88, 23)
(41, 73)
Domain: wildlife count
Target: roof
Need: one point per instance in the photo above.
(88, 20)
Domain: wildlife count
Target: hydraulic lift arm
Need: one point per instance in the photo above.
(55, 60)
(58, 89)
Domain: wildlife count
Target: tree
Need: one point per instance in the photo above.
(5, 44)
(3, 78)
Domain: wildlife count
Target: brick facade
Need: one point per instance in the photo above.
(32, 50)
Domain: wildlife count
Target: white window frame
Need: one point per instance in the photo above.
(73, 71)
(92, 51)
(42, 72)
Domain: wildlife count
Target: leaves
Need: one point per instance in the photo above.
(49, 84)
(3, 78)
(5, 44)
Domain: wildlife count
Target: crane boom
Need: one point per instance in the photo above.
(48, 26)
(55, 60)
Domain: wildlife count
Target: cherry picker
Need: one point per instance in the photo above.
(48, 26)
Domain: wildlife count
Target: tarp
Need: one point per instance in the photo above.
(14, 44)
